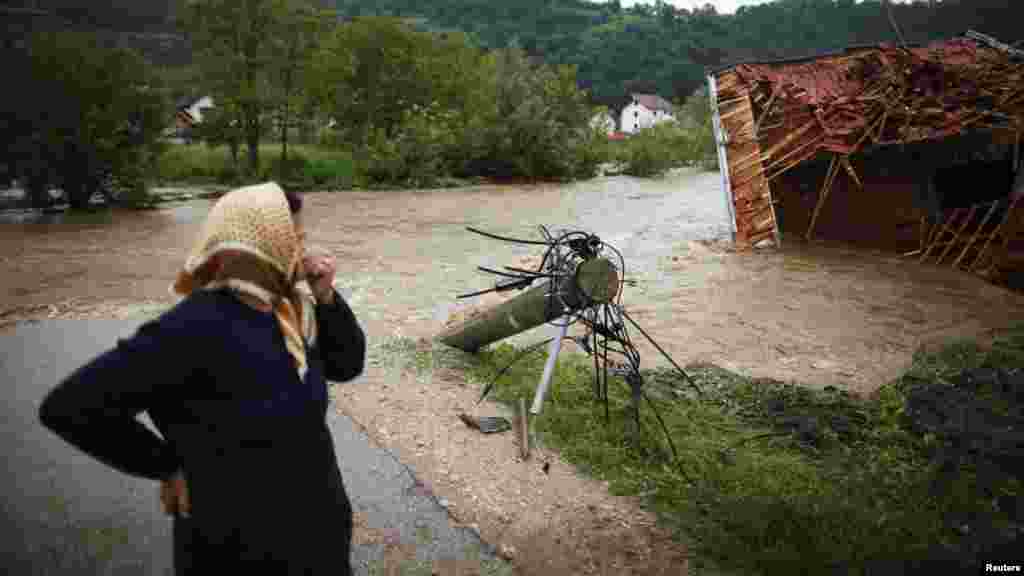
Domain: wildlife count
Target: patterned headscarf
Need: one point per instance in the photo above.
(255, 225)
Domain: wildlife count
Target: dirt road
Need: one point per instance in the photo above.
(815, 315)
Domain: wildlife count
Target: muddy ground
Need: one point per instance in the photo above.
(818, 315)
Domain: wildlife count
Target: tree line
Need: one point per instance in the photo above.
(413, 105)
(660, 48)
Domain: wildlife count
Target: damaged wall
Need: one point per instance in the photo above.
(886, 214)
(778, 118)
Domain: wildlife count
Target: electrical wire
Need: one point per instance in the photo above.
(505, 238)
(605, 322)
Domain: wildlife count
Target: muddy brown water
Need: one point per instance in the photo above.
(817, 314)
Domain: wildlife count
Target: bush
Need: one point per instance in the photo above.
(308, 166)
(337, 173)
(655, 150)
(415, 155)
(297, 168)
(197, 163)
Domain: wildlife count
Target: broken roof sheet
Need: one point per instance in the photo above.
(884, 94)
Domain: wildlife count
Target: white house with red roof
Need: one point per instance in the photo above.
(644, 111)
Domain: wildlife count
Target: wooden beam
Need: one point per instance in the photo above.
(974, 237)
(767, 109)
(852, 173)
(996, 232)
(942, 230)
(833, 169)
(960, 230)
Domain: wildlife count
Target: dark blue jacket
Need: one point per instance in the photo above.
(214, 376)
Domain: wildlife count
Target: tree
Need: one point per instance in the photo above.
(389, 73)
(302, 31)
(222, 125)
(237, 50)
(83, 112)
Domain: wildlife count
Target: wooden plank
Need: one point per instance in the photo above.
(762, 235)
(974, 237)
(954, 242)
(735, 111)
(998, 230)
(748, 162)
(945, 226)
(960, 230)
(785, 160)
(789, 138)
(853, 173)
(767, 108)
(806, 155)
(833, 169)
(751, 210)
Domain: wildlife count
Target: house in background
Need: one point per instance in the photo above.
(644, 111)
(188, 113)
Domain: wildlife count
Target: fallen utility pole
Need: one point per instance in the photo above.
(577, 284)
(595, 281)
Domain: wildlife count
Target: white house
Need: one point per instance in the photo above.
(644, 111)
(603, 121)
(190, 111)
(195, 110)
(189, 114)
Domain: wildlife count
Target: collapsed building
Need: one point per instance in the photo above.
(914, 149)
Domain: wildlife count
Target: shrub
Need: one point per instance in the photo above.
(337, 172)
(653, 151)
(296, 168)
(192, 163)
(667, 145)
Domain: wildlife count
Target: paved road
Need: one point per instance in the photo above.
(64, 513)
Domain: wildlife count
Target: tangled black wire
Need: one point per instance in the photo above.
(605, 321)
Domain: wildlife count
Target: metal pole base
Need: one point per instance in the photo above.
(549, 369)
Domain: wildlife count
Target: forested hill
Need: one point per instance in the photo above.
(659, 48)
(648, 47)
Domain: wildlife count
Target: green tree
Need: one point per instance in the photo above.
(302, 30)
(241, 48)
(389, 73)
(84, 113)
(222, 125)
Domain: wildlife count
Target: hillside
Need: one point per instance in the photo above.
(647, 47)
(659, 48)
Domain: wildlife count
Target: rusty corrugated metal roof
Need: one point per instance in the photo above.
(907, 94)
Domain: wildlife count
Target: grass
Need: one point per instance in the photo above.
(320, 167)
(771, 477)
(310, 166)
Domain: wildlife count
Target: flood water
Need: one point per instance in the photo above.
(810, 313)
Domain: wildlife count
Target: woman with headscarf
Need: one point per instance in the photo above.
(234, 379)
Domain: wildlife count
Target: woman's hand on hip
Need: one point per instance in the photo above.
(174, 496)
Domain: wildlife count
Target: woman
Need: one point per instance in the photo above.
(233, 377)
